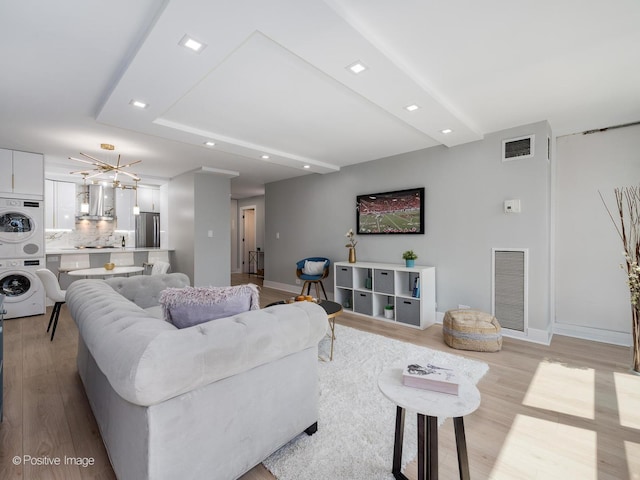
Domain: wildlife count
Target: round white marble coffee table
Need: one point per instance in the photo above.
(429, 406)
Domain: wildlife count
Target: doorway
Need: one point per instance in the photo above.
(248, 236)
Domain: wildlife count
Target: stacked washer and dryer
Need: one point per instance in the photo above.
(22, 252)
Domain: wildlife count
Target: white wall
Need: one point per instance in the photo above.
(592, 298)
(212, 240)
(199, 227)
(465, 190)
(181, 216)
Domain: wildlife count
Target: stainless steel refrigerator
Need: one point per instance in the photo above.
(148, 230)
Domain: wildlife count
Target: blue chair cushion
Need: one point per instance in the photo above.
(310, 277)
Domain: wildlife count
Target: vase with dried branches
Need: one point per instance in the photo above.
(627, 224)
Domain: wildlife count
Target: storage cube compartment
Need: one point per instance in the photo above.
(408, 311)
(405, 283)
(344, 276)
(383, 281)
(362, 278)
(344, 297)
(379, 302)
(362, 302)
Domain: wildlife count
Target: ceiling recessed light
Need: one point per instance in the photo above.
(357, 67)
(265, 157)
(192, 44)
(210, 144)
(307, 166)
(138, 104)
(446, 130)
(412, 108)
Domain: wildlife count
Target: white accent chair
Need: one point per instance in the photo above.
(75, 261)
(153, 258)
(161, 256)
(160, 268)
(55, 293)
(122, 259)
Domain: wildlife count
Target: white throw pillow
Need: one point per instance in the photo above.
(313, 268)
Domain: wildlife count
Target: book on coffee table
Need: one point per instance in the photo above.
(431, 377)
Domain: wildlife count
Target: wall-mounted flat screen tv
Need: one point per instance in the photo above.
(399, 212)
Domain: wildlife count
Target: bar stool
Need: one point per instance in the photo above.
(53, 291)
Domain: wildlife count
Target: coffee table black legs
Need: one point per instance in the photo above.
(397, 445)
(461, 445)
(428, 447)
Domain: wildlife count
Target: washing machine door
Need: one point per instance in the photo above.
(17, 285)
(16, 226)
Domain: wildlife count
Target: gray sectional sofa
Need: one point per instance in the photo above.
(209, 401)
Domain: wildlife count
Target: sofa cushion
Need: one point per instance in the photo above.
(189, 306)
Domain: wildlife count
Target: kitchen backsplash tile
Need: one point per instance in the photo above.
(89, 233)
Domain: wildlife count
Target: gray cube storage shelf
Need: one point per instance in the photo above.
(365, 288)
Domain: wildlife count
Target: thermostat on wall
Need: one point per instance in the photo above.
(512, 206)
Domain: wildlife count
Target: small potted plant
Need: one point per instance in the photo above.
(410, 258)
(388, 311)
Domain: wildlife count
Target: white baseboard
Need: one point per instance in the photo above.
(533, 335)
(593, 334)
(282, 286)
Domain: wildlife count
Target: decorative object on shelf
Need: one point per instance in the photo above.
(416, 288)
(351, 245)
(409, 258)
(627, 201)
(109, 266)
(101, 167)
(388, 312)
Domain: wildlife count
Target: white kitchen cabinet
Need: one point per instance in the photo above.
(366, 288)
(149, 199)
(59, 205)
(21, 174)
(124, 209)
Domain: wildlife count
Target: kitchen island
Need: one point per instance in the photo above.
(98, 257)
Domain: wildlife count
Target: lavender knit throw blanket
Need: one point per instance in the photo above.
(189, 306)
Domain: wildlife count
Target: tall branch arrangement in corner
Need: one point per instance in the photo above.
(628, 227)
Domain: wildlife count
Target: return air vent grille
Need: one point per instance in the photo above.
(509, 300)
(518, 148)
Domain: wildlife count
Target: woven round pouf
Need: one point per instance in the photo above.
(468, 329)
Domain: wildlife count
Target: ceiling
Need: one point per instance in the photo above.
(273, 79)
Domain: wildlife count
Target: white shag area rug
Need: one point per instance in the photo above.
(356, 422)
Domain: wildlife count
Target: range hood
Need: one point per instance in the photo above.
(101, 202)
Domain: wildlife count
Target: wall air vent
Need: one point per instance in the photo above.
(510, 287)
(518, 148)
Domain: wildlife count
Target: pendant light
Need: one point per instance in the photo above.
(136, 208)
(84, 206)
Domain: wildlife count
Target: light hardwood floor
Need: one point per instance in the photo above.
(567, 411)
